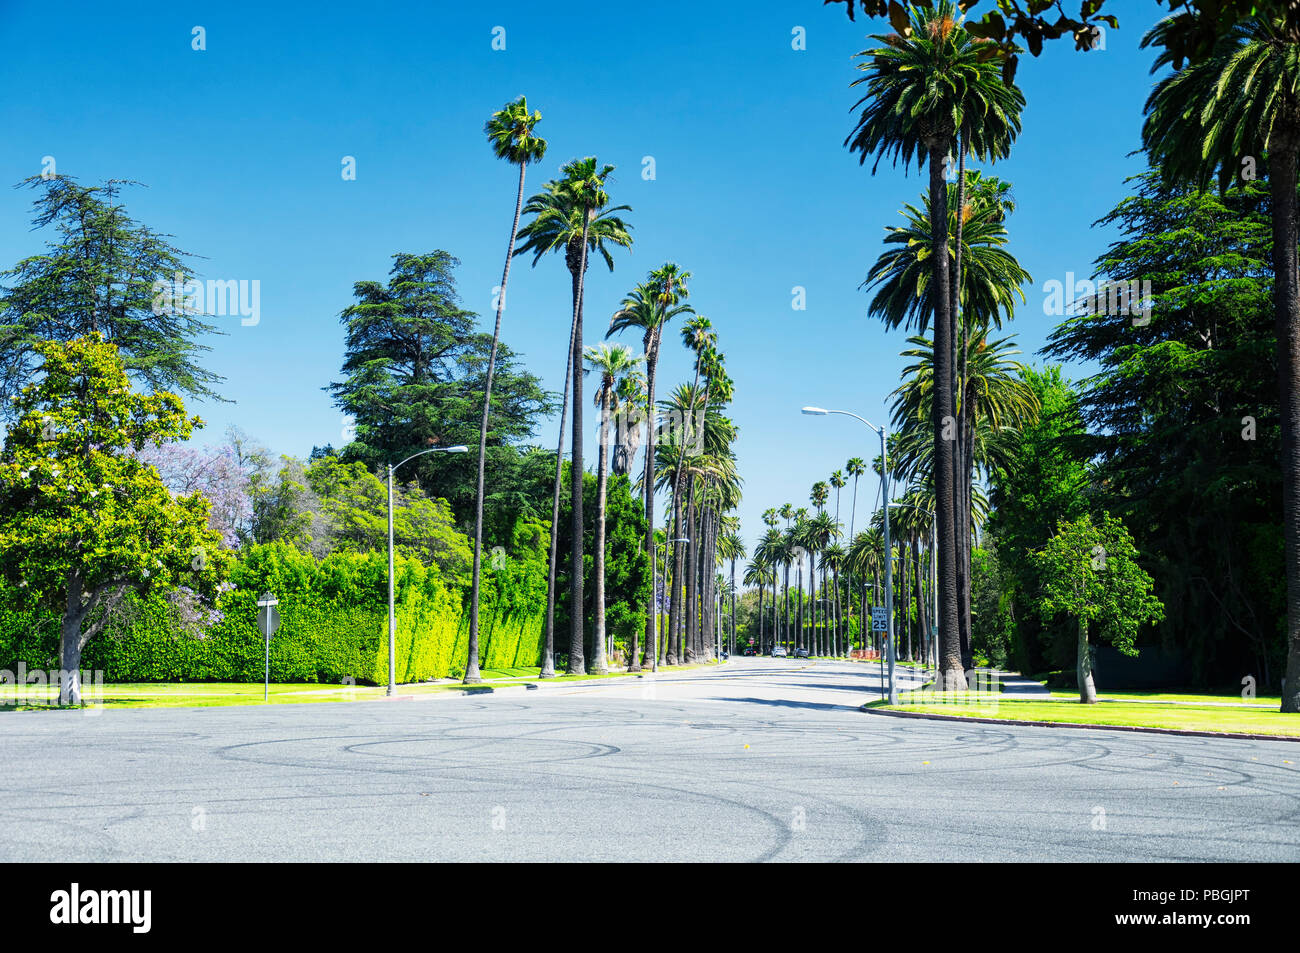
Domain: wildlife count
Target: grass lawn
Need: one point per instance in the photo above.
(204, 694)
(1187, 715)
(1264, 701)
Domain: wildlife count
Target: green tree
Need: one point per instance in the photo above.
(105, 274)
(510, 130)
(1184, 454)
(414, 374)
(1090, 573)
(83, 520)
(1213, 117)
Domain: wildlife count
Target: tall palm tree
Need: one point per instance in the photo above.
(648, 308)
(730, 548)
(768, 555)
(612, 363)
(759, 573)
(510, 130)
(566, 217)
(921, 87)
(990, 287)
(1243, 99)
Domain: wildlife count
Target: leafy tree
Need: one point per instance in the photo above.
(627, 570)
(1185, 447)
(100, 275)
(83, 519)
(510, 130)
(1041, 481)
(1239, 103)
(414, 374)
(1090, 573)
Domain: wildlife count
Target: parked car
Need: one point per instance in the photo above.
(779, 652)
(801, 653)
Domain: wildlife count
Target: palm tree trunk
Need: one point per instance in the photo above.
(674, 598)
(577, 604)
(1286, 303)
(548, 655)
(471, 662)
(648, 487)
(599, 665)
(943, 419)
(692, 622)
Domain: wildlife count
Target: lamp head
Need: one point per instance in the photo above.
(457, 450)
(815, 411)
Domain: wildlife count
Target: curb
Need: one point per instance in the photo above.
(1185, 732)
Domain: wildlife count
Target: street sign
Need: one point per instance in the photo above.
(268, 620)
(879, 619)
(268, 616)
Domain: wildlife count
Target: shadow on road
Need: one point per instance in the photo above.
(785, 703)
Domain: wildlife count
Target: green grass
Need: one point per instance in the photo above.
(1175, 714)
(1266, 701)
(207, 694)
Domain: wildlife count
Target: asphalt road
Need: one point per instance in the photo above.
(761, 760)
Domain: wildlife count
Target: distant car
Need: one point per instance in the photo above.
(779, 652)
(801, 653)
(750, 650)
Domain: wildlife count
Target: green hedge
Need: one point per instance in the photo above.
(334, 616)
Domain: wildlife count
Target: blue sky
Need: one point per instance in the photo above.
(241, 145)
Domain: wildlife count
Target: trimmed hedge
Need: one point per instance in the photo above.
(334, 623)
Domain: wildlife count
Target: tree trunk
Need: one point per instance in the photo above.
(71, 642)
(548, 655)
(577, 604)
(674, 598)
(648, 487)
(1286, 303)
(1083, 668)
(943, 419)
(471, 662)
(692, 622)
(599, 665)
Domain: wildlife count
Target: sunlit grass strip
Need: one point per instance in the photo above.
(209, 694)
(1177, 716)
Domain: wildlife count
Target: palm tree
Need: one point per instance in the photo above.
(768, 555)
(866, 559)
(628, 406)
(922, 88)
(569, 214)
(510, 131)
(833, 559)
(612, 363)
(1243, 99)
(649, 307)
(759, 573)
(990, 286)
(730, 548)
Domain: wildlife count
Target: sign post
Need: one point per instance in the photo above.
(268, 620)
(880, 623)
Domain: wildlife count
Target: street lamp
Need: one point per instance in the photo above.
(889, 572)
(392, 617)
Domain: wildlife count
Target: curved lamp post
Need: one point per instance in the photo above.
(392, 618)
(889, 573)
